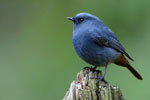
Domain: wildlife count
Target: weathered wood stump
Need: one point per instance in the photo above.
(87, 87)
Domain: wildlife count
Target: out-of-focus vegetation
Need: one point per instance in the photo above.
(37, 59)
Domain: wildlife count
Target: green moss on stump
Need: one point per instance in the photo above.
(86, 87)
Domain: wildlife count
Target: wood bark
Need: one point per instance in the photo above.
(87, 87)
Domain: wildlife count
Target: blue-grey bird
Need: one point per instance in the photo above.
(97, 44)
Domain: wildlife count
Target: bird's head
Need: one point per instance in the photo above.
(84, 18)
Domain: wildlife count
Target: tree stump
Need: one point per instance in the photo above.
(87, 87)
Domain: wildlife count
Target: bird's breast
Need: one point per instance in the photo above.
(92, 53)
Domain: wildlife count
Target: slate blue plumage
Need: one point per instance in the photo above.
(95, 43)
(84, 39)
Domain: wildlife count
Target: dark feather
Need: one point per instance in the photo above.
(112, 43)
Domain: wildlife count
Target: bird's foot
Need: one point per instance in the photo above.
(101, 78)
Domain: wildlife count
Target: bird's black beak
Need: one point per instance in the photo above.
(70, 18)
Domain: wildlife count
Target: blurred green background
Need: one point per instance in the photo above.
(37, 59)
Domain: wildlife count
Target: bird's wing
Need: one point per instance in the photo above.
(112, 43)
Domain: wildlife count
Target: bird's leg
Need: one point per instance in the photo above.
(105, 70)
(102, 78)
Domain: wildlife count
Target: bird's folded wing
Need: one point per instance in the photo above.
(112, 43)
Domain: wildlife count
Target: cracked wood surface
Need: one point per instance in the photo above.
(86, 87)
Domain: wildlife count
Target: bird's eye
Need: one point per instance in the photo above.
(81, 19)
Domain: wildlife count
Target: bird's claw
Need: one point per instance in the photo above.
(101, 78)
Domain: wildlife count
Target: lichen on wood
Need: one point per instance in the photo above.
(87, 87)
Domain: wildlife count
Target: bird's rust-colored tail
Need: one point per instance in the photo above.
(122, 61)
